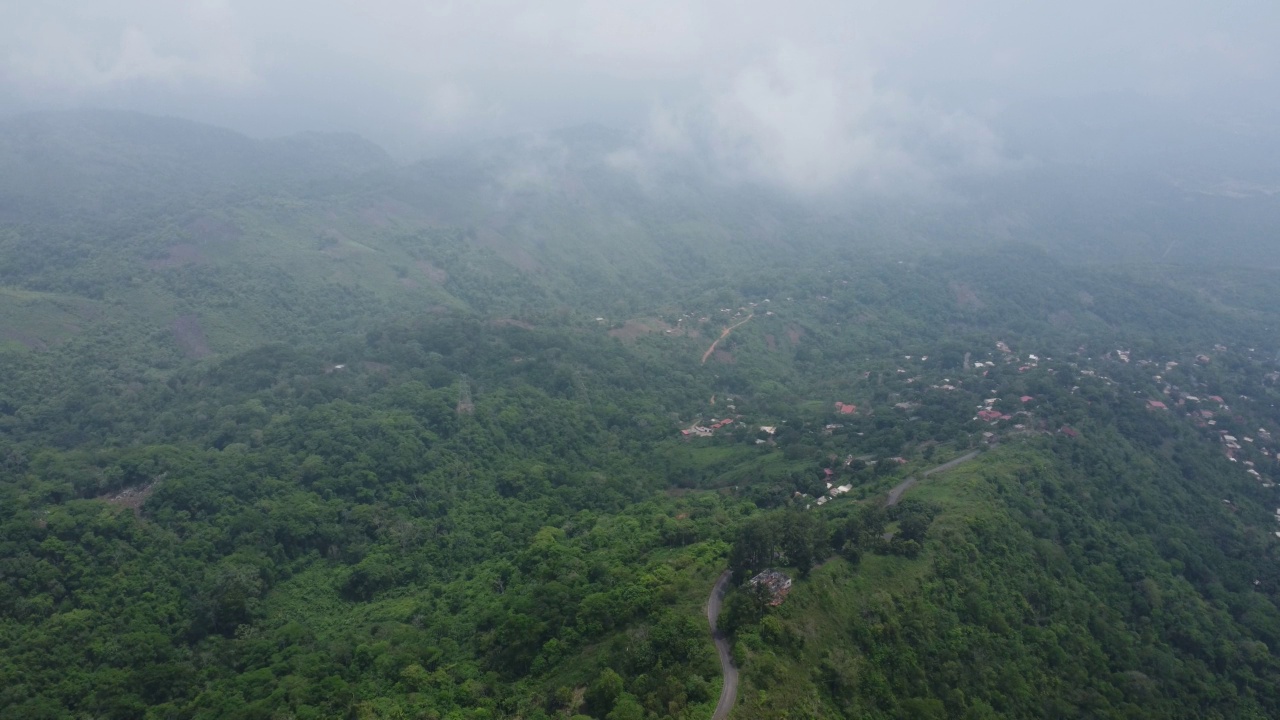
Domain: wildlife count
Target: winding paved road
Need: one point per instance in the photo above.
(729, 693)
(896, 493)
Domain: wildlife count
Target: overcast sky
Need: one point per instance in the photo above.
(809, 90)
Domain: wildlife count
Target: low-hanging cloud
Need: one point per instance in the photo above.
(797, 119)
(819, 93)
(58, 51)
(805, 122)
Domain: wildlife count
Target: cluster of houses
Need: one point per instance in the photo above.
(706, 317)
(833, 491)
(1233, 448)
(988, 414)
(706, 430)
(1204, 410)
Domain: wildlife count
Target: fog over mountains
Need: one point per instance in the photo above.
(812, 96)
(632, 361)
(1152, 200)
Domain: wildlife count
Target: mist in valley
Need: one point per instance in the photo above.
(639, 360)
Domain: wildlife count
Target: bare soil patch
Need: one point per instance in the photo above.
(387, 213)
(512, 322)
(131, 498)
(521, 259)
(507, 250)
(1062, 319)
(633, 329)
(190, 337)
(630, 329)
(30, 342)
(178, 256)
(965, 296)
(209, 229)
(431, 272)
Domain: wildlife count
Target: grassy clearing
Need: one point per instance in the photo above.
(786, 657)
(37, 319)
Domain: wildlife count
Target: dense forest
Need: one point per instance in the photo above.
(290, 431)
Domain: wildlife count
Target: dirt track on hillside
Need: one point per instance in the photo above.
(723, 334)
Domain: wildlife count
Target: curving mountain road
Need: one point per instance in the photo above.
(729, 693)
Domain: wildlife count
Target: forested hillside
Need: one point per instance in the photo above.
(290, 430)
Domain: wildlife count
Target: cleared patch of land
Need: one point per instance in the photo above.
(190, 337)
(131, 497)
(633, 329)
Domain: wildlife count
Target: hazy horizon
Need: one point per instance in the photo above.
(824, 94)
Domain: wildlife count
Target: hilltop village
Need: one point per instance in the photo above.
(913, 413)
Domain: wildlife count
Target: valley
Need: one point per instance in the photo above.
(313, 434)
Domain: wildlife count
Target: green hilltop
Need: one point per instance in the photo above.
(288, 429)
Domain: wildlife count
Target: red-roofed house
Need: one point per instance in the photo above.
(1026, 398)
(1156, 405)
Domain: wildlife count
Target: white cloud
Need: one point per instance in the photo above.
(794, 120)
(91, 53)
(808, 93)
(449, 104)
(805, 121)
